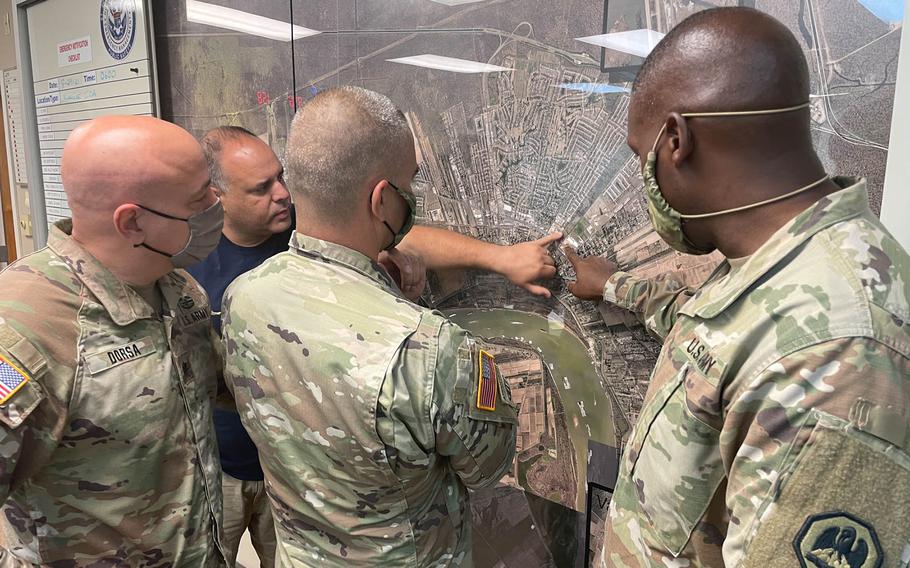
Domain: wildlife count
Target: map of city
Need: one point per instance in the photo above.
(522, 137)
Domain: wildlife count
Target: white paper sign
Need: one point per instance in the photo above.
(74, 52)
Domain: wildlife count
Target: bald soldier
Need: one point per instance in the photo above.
(258, 223)
(107, 364)
(373, 416)
(775, 429)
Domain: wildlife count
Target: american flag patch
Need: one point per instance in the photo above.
(11, 379)
(486, 386)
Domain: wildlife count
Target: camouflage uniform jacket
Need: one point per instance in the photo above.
(108, 450)
(775, 430)
(364, 408)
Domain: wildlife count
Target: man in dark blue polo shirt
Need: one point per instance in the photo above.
(258, 223)
(248, 178)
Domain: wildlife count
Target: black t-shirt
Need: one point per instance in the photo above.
(228, 261)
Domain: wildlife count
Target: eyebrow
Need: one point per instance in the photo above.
(264, 184)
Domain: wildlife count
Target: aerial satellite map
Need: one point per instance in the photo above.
(518, 109)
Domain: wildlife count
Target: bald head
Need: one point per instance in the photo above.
(115, 159)
(131, 182)
(341, 142)
(729, 61)
(722, 59)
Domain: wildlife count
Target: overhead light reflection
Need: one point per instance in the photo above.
(635, 42)
(240, 21)
(452, 64)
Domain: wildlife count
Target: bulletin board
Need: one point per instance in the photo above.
(80, 59)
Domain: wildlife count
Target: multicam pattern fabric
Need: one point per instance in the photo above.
(811, 329)
(364, 409)
(108, 452)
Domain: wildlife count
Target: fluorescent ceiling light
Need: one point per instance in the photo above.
(636, 42)
(449, 64)
(455, 2)
(594, 87)
(240, 21)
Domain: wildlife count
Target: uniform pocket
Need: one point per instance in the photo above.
(676, 464)
(842, 499)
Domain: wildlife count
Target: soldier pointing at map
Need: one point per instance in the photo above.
(372, 416)
(775, 428)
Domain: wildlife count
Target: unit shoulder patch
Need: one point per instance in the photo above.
(12, 378)
(486, 381)
(837, 539)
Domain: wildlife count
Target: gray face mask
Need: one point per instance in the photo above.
(205, 233)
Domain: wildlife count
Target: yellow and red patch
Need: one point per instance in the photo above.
(12, 378)
(486, 381)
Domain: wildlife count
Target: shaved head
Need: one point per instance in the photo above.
(340, 141)
(116, 171)
(730, 61)
(114, 159)
(723, 59)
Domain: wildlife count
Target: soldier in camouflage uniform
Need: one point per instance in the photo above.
(373, 416)
(107, 364)
(775, 430)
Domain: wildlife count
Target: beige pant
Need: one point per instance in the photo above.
(246, 506)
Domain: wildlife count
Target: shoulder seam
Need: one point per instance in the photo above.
(431, 374)
(859, 290)
(807, 342)
(78, 367)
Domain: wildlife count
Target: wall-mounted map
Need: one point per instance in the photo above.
(520, 130)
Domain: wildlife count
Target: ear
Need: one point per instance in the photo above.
(679, 137)
(376, 202)
(125, 221)
(218, 193)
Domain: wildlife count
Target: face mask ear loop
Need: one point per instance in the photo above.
(653, 152)
(746, 112)
(760, 203)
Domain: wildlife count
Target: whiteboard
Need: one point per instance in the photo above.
(87, 58)
(12, 94)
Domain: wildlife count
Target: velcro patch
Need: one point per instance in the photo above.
(120, 354)
(486, 381)
(12, 378)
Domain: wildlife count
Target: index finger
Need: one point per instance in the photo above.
(571, 254)
(549, 239)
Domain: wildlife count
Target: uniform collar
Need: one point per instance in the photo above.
(727, 285)
(124, 304)
(334, 253)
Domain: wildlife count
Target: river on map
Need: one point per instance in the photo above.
(586, 404)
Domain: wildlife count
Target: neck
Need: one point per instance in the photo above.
(242, 238)
(352, 237)
(127, 264)
(742, 233)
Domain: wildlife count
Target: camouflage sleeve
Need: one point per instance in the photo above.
(817, 451)
(473, 415)
(654, 301)
(32, 418)
(223, 397)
